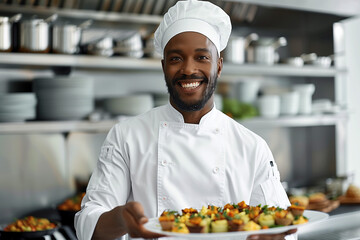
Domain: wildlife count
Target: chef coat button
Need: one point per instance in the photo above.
(164, 124)
(217, 130)
(215, 170)
(164, 162)
(164, 198)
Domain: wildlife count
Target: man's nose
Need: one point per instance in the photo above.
(189, 67)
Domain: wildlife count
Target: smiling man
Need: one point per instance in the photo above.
(186, 153)
(191, 74)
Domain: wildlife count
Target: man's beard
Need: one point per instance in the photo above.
(188, 107)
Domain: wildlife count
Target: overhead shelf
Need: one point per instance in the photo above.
(296, 121)
(280, 70)
(78, 61)
(343, 8)
(104, 126)
(82, 14)
(147, 64)
(56, 126)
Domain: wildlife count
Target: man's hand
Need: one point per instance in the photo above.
(278, 236)
(129, 219)
(134, 220)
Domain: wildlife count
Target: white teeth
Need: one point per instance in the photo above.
(190, 85)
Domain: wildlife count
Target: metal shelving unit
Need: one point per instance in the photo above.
(104, 126)
(147, 64)
(28, 60)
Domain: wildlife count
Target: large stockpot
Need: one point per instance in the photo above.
(236, 48)
(6, 32)
(66, 37)
(35, 35)
(263, 50)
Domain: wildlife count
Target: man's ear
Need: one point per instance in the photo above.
(219, 66)
(162, 65)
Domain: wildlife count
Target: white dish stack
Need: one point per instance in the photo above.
(64, 98)
(129, 105)
(17, 107)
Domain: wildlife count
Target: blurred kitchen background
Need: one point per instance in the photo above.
(71, 69)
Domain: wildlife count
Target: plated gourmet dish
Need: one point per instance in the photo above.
(73, 203)
(230, 218)
(30, 224)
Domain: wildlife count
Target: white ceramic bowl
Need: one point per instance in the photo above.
(130, 105)
(17, 98)
(64, 113)
(60, 94)
(16, 107)
(247, 91)
(269, 106)
(295, 61)
(62, 82)
(289, 103)
(18, 116)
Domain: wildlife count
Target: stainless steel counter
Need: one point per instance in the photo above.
(336, 227)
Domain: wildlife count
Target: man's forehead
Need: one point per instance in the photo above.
(197, 41)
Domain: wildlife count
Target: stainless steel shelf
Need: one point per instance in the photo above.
(104, 126)
(280, 70)
(83, 14)
(296, 121)
(56, 126)
(342, 8)
(78, 61)
(145, 64)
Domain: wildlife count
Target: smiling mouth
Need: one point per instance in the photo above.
(191, 85)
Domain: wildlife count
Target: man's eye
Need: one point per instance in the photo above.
(203, 57)
(175, 59)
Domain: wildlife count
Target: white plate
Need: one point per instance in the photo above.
(17, 98)
(62, 82)
(153, 225)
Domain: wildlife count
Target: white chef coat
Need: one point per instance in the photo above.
(163, 163)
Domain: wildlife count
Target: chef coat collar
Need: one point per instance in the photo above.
(208, 120)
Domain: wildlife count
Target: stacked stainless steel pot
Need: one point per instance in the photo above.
(7, 32)
(66, 37)
(35, 34)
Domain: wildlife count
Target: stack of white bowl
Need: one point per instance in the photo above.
(129, 105)
(17, 107)
(64, 98)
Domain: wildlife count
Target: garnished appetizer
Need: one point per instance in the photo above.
(283, 217)
(254, 213)
(219, 223)
(230, 218)
(235, 221)
(198, 224)
(180, 228)
(296, 209)
(252, 226)
(167, 220)
(266, 218)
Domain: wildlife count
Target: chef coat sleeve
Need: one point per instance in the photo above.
(267, 188)
(109, 185)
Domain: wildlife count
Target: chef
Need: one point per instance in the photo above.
(186, 153)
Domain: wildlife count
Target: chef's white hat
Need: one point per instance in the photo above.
(194, 16)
